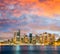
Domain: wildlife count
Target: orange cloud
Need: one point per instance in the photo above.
(44, 7)
(29, 8)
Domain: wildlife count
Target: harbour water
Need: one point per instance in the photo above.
(29, 49)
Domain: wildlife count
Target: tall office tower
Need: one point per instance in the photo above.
(30, 36)
(14, 39)
(18, 36)
(26, 40)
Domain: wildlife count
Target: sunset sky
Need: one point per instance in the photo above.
(34, 16)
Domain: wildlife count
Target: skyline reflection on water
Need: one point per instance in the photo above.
(29, 49)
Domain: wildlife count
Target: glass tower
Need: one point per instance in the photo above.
(30, 36)
(18, 36)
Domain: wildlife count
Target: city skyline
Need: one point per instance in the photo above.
(41, 39)
(8, 37)
(33, 16)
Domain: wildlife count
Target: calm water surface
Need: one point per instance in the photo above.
(29, 49)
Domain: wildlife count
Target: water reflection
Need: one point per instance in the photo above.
(6, 49)
(16, 49)
(29, 49)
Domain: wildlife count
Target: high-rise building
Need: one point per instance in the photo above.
(30, 36)
(37, 39)
(34, 40)
(47, 38)
(14, 39)
(18, 36)
(26, 39)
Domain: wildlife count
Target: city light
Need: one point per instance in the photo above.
(41, 39)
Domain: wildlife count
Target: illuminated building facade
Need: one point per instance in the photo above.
(26, 39)
(16, 37)
(42, 39)
(47, 38)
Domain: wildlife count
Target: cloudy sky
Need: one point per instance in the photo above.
(29, 16)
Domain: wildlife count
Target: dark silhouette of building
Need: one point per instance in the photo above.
(30, 36)
(18, 35)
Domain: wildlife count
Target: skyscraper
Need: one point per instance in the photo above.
(18, 36)
(30, 36)
(18, 33)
